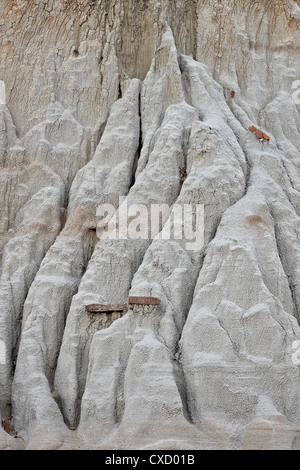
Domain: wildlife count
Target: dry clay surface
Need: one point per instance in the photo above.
(104, 102)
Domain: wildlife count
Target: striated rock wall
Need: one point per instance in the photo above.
(105, 100)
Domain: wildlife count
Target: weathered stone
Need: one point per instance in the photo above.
(143, 300)
(108, 308)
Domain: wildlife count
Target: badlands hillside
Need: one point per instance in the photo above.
(151, 101)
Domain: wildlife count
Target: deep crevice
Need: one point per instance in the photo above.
(139, 149)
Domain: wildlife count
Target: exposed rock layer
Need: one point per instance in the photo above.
(106, 101)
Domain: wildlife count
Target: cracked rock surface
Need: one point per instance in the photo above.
(103, 103)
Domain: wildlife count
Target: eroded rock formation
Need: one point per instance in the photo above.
(106, 100)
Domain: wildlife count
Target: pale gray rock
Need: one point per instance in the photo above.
(119, 259)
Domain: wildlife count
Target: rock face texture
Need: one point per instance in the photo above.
(103, 102)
